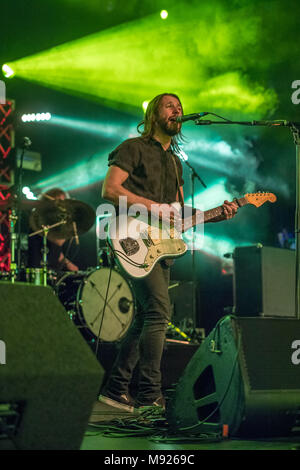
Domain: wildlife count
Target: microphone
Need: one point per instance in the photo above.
(190, 117)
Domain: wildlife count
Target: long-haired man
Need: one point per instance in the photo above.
(147, 171)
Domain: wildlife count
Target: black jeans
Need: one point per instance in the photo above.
(145, 339)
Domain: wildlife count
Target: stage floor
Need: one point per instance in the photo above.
(110, 430)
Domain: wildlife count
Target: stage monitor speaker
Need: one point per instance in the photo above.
(244, 376)
(49, 376)
(264, 282)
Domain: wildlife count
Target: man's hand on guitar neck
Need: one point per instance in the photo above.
(229, 211)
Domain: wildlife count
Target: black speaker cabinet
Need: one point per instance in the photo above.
(264, 282)
(49, 377)
(243, 376)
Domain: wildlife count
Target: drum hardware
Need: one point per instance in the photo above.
(11, 205)
(35, 276)
(77, 218)
(38, 277)
(15, 206)
(45, 230)
(124, 305)
(71, 314)
(60, 219)
(13, 237)
(99, 318)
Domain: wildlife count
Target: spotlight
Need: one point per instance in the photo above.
(25, 190)
(164, 14)
(28, 193)
(7, 71)
(36, 117)
(145, 105)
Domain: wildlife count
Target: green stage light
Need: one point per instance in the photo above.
(36, 117)
(201, 53)
(210, 153)
(218, 155)
(145, 105)
(7, 71)
(213, 245)
(164, 14)
(211, 197)
(89, 171)
(104, 129)
(28, 193)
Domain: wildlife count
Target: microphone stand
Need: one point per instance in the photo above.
(296, 134)
(194, 175)
(295, 129)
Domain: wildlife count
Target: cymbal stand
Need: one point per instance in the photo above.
(45, 255)
(45, 230)
(13, 237)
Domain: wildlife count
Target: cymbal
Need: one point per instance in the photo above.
(68, 211)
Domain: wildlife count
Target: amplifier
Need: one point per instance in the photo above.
(264, 282)
(182, 297)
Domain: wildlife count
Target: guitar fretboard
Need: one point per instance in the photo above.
(217, 211)
(210, 214)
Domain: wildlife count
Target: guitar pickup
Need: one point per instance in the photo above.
(130, 246)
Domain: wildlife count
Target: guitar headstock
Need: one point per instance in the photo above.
(258, 199)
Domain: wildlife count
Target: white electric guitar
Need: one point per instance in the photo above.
(138, 246)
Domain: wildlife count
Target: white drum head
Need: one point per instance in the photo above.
(111, 320)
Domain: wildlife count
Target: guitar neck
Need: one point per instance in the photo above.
(217, 211)
(209, 215)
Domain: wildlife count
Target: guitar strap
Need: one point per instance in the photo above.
(177, 181)
(179, 192)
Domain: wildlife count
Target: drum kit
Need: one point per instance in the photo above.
(99, 300)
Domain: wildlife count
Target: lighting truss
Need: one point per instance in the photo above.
(7, 138)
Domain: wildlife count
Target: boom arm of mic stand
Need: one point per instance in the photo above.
(295, 128)
(276, 123)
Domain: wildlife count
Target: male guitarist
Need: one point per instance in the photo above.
(147, 171)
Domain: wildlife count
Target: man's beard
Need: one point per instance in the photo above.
(170, 128)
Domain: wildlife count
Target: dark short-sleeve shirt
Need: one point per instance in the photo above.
(151, 169)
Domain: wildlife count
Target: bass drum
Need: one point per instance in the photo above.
(100, 302)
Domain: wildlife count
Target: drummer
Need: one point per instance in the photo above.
(56, 259)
